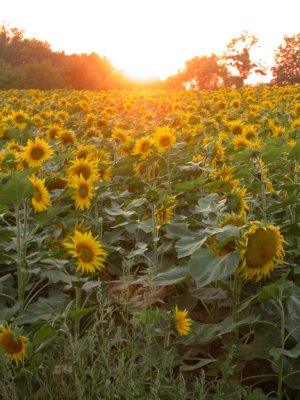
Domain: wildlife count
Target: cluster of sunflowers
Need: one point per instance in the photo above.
(103, 154)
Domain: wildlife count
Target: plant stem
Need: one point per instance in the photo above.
(263, 190)
(155, 236)
(19, 257)
(235, 302)
(282, 342)
(77, 306)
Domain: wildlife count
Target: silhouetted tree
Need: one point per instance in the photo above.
(238, 57)
(204, 72)
(287, 61)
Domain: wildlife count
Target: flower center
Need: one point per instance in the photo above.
(165, 141)
(144, 147)
(37, 195)
(237, 130)
(10, 345)
(37, 153)
(84, 171)
(19, 119)
(261, 248)
(83, 191)
(85, 254)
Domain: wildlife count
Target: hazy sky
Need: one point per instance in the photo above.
(152, 37)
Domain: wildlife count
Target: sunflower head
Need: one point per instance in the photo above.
(14, 346)
(40, 199)
(83, 192)
(36, 152)
(182, 322)
(262, 250)
(236, 200)
(143, 147)
(164, 138)
(87, 250)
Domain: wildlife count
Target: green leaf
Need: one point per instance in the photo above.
(189, 185)
(40, 336)
(172, 276)
(295, 151)
(281, 288)
(277, 352)
(81, 311)
(206, 267)
(185, 246)
(49, 214)
(16, 188)
(39, 311)
(200, 364)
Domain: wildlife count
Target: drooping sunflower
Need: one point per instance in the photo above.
(183, 323)
(165, 212)
(262, 250)
(143, 147)
(88, 251)
(36, 152)
(164, 138)
(14, 346)
(83, 193)
(236, 200)
(41, 198)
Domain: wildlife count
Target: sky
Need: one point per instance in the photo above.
(152, 38)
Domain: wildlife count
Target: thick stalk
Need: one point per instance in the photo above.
(78, 307)
(282, 343)
(155, 237)
(19, 256)
(263, 190)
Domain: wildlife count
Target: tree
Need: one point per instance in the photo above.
(204, 72)
(238, 57)
(287, 62)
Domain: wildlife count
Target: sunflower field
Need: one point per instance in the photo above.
(149, 244)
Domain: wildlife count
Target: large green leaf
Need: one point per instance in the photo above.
(16, 188)
(206, 267)
(172, 276)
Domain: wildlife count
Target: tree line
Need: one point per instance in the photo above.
(31, 63)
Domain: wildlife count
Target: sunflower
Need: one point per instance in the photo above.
(35, 153)
(164, 138)
(85, 168)
(18, 118)
(88, 251)
(121, 136)
(66, 136)
(236, 127)
(14, 346)
(143, 147)
(237, 200)
(241, 142)
(183, 324)
(40, 199)
(84, 150)
(83, 192)
(261, 251)
(89, 119)
(237, 220)
(53, 131)
(165, 211)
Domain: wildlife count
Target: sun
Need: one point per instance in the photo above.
(137, 70)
